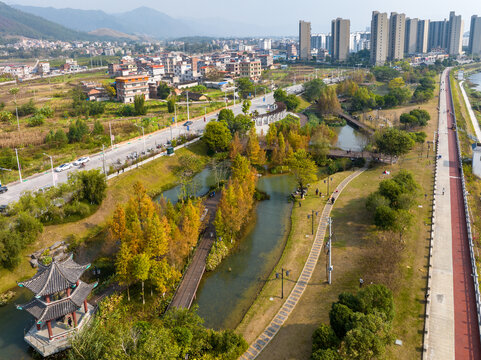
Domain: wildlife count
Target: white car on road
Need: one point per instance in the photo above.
(81, 161)
(63, 167)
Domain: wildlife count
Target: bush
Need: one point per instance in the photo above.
(6, 116)
(77, 130)
(93, 186)
(27, 109)
(76, 208)
(46, 111)
(36, 120)
(217, 253)
(324, 338)
(126, 110)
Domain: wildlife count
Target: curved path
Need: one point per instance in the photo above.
(272, 329)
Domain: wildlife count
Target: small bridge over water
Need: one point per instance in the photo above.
(337, 153)
(185, 293)
(355, 123)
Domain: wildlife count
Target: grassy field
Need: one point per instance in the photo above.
(355, 255)
(156, 176)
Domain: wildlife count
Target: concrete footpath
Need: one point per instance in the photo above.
(439, 339)
(472, 115)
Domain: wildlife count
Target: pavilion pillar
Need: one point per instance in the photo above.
(39, 326)
(49, 327)
(68, 292)
(74, 316)
(86, 308)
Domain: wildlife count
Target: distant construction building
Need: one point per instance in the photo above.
(304, 40)
(475, 36)
(397, 32)
(340, 29)
(455, 34)
(379, 37)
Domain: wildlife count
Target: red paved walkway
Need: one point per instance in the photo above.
(467, 341)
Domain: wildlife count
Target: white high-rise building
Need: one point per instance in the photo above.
(455, 34)
(265, 44)
(397, 32)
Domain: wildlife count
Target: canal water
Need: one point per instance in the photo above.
(225, 295)
(13, 322)
(476, 79)
(349, 138)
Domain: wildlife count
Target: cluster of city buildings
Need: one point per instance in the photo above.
(142, 74)
(392, 38)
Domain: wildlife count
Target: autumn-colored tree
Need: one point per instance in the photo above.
(271, 136)
(117, 226)
(141, 268)
(236, 147)
(303, 168)
(254, 152)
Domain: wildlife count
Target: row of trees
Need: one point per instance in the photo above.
(154, 239)
(291, 101)
(360, 326)
(116, 333)
(234, 209)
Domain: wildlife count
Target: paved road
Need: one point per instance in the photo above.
(121, 151)
(452, 331)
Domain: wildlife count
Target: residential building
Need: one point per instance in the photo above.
(340, 30)
(43, 68)
(411, 36)
(397, 24)
(438, 35)
(304, 40)
(265, 44)
(318, 41)
(233, 68)
(475, 36)
(455, 34)
(379, 37)
(251, 69)
(130, 86)
(422, 37)
(266, 61)
(291, 50)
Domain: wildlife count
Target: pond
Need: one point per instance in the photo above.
(476, 79)
(225, 295)
(349, 138)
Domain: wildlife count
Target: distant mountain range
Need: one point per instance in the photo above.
(145, 21)
(18, 23)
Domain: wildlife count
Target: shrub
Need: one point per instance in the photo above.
(27, 109)
(77, 130)
(46, 111)
(6, 116)
(77, 208)
(36, 120)
(324, 338)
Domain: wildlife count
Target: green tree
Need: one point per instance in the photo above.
(340, 318)
(328, 101)
(226, 115)
(393, 142)
(280, 95)
(324, 338)
(163, 91)
(77, 130)
(239, 124)
(385, 217)
(327, 354)
(313, 89)
(303, 168)
(93, 186)
(246, 105)
(292, 102)
(171, 105)
(217, 136)
(361, 344)
(245, 87)
(139, 105)
(98, 128)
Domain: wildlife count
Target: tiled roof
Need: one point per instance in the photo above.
(43, 311)
(55, 277)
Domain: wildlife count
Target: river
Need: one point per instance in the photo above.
(476, 79)
(225, 295)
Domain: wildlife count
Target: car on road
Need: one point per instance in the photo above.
(63, 167)
(3, 189)
(80, 161)
(188, 123)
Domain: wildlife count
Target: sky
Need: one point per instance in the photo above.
(281, 14)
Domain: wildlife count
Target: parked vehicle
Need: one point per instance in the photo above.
(188, 123)
(3, 189)
(63, 167)
(82, 160)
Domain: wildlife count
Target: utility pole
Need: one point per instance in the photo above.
(18, 165)
(51, 165)
(188, 115)
(103, 159)
(111, 138)
(329, 263)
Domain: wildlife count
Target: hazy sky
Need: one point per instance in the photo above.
(284, 13)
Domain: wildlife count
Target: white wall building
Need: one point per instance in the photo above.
(477, 160)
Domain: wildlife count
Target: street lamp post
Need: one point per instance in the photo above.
(51, 165)
(329, 179)
(111, 138)
(18, 165)
(281, 275)
(188, 115)
(312, 219)
(143, 136)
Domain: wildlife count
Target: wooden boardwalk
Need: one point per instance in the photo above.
(356, 123)
(337, 153)
(185, 294)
